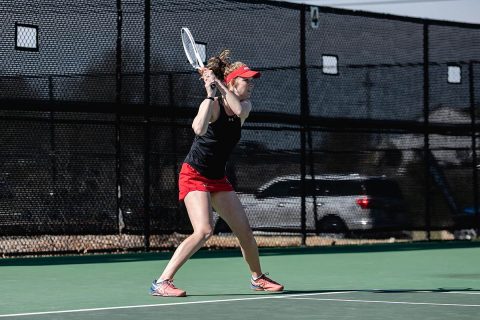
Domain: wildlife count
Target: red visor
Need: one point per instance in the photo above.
(243, 72)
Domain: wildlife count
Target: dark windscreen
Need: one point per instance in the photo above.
(282, 189)
(338, 188)
(383, 188)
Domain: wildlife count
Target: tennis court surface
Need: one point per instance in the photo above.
(391, 281)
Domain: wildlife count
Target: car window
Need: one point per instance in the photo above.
(282, 189)
(331, 188)
(336, 188)
(385, 188)
(315, 187)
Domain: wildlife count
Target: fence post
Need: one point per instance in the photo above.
(471, 83)
(304, 111)
(146, 180)
(426, 109)
(53, 146)
(118, 101)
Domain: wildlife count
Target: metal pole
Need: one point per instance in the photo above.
(146, 182)
(304, 110)
(474, 144)
(118, 101)
(426, 102)
(53, 147)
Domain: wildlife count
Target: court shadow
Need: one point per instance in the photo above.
(439, 290)
(326, 292)
(263, 293)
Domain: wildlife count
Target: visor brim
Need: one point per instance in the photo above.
(250, 74)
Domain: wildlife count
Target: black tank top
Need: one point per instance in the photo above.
(209, 153)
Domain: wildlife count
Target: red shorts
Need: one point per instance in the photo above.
(191, 180)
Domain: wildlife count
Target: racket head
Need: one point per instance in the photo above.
(191, 50)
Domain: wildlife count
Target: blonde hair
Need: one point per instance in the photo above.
(221, 65)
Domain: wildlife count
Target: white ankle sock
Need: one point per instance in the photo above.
(255, 279)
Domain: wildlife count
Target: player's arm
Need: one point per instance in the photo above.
(240, 108)
(206, 111)
(204, 117)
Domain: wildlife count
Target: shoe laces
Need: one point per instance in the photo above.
(168, 283)
(264, 279)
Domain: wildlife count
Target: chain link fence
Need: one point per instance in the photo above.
(364, 128)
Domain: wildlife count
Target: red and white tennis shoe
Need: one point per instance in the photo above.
(166, 288)
(264, 283)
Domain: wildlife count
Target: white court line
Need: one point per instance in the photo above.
(390, 302)
(271, 296)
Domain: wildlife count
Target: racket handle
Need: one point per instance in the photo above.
(201, 70)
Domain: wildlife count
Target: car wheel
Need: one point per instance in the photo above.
(332, 226)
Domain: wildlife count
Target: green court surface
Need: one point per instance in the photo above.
(392, 281)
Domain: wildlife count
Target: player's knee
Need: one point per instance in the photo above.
(205, 233)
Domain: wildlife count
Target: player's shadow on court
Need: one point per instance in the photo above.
(451, 289)
(440, 290)
(302, 292)
(263, 293)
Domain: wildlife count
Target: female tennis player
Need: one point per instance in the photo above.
(203, 183)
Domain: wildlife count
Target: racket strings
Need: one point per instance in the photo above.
(190, 48)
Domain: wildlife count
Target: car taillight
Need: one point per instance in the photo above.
(364, 202)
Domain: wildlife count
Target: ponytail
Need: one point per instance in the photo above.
(219, 64)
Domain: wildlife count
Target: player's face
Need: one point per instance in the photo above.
(243, 88)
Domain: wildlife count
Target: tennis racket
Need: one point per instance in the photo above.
(191, 50)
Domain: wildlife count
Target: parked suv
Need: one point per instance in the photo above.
(334, 204)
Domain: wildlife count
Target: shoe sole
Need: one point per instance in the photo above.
(168, 295)
(254, 288)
